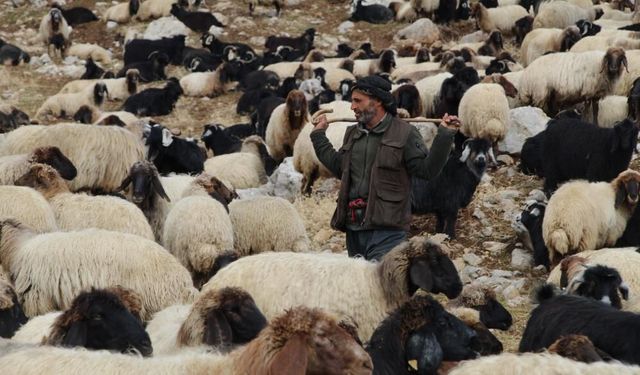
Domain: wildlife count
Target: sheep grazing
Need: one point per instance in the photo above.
(408, 97)
(10, 54)
(199, 22)
(300, 341)
(483, 299)
(528, 224)
(554, 89)
(541, 41)
(11, 314)
(559, 315)
(53, 23)
(117, 88)
(93, 71)
(531, 155)
(374, 13)
(329, 281)
(66, 105)
(562, 14)
(154, 101)
(139, 50)
(417, 337)
(257, 230)
(11, 118)
(461, 174)
(173, 154)
(302, 43)
(285, 123)
(522, 27)
(502, 18)
(576, 149)
(603, 208)
(96, 319)
(211, 84)
(198, 229)
(85, 50)
(123, 12)
(14, 166)
(278, 4)
(80, 211)
(106, 258)
(76, 15)
(222, 319)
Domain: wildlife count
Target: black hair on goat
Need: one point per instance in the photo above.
(12, 54)
(200, 60)
(374, 13)
(149, 71)
(199, 22)
(93, 71)
(408, 97)
(249, 101)
(600, 283)
(588, 28)
(531, 155)
(154, 101)
(12, 316)
(219, 140)
(263, 113)
(303, 43)
(529, 227)
(344, 50)
(76, 15)
(633, 101)
(173, 154)
(139, 50)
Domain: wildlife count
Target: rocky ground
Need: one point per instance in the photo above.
(486, 250)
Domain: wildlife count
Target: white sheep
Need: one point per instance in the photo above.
(37, 328)
(117, 88)
(88, 50)
(604, 42)
(154, 9)
(502, 18)
(540, 41)
(334, 76)
(366, 291)
(66, 105)
(575, 77)
(239, 170)
(53, 23)
(285, 123)
(207, 83)
(102, 155)
(13, 167)
(198, 228)
(484, 109)
(514, 79)
(584, 215)
(51, 269)
(612, 109)
(27, 206)
(81, 211)
(123, 12)
(561, 14)
(256, 229)
(405, 70)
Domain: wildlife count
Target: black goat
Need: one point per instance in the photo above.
(93, 71)
(325, 96)
(408, 97)
(633, 102)
(151, 70)
(522, 27)
(250, 100)
(417, 337)
(154, 102)
(217, 47)
(200, 60)
(344, 50)
(260, 79)
(611, 330)
(140, 50)
(12, 315)
(453, 188)
(172, 154)
(493, 46)
(288, 84)
(528, 224)
(600, 283)
(302, 43)
(12, 54)
(76, 15)
(11, 119)
(452, 90)
(263, 113)
(450, 10)
(374, 13)
(577, 149)
(220, 140)
(199, 22)
(588, 28)
(531, 155)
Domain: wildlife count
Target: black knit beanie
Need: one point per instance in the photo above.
(378, 88)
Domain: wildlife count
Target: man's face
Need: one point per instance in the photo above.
(363, 106)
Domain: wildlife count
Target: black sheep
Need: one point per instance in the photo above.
(611, 330)
(408, 97)
(151, 70)
(450, 10)
(249, 101)
(522, 27)
(93, 71)
(199, 22)
(417, 337)
(531, 155)
(453, 188)
(588, 28)
(11, 317)
(12, 119)
(217, 47)
(172, 154)
(154, 102)
(140, 50)
(220, 140)
(200, 60)
(633, 101)
(76, 15)
(12, 54)
(260, 79)
(529, 226)
(263, 113)
(452, 90)
(577, 149)
(375, 13)
(302, 43)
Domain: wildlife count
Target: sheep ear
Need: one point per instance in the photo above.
(465, 152)
(423, 352)
(167, 137)
(218, 330)
(420, 274)
(157, 186)
(292, 359)
(624, 291)
(124, 183)
(76, 335)
(621, 194)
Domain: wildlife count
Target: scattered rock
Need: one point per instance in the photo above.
(459, 264)
(165, 27)
(511, 292)
(524, 122)
(494, 247)
(501, 273)
(478, 214)
(472, 259)
(323, 235)
(422, 31)
(521, 259)
(218, 31)
(345, 27)
(506, 159)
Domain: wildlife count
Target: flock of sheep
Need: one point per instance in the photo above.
(126, 248)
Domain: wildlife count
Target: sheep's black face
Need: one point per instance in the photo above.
(496, 39)
(497, 66)
(484, 342)
(134, 6)
(434, 272)
(463, 12)
(454, 336)
(387, 61)
(422, 55)
(569, 39)
(603, 284)
(245, 319)
(56, 19)
(61, 163)
(494, 315)
(11, 318)
(613, 62)
(523, 26)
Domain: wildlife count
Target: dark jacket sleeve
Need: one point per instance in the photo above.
(424, 164)
(325, 152)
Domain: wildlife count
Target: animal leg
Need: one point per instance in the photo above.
(450, 224)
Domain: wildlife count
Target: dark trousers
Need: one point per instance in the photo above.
(373, 244)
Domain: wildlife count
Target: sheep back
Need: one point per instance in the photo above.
(27, 206)
(242, 170)
(164, 327)
(37, 328)
(484, 112)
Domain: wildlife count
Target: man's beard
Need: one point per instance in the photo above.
(366, 115)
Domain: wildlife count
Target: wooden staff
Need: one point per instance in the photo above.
(314, 118)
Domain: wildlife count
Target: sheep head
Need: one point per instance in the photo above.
(570, 36)
(570, 267)
(509, 89)
(613, 61)
(100, 93)
(387, 61)
(44, 179)
(134, 6)
(11, 313)
(55, 158)
(296, 105)
(55, 15)
(475, 154)
(601, 283)
(483, 299)
(627, 186)
(215, 188)
(422, 55)
(133, 76)
(145, 179)
(576, 347)
(495, 39)
(522, 27)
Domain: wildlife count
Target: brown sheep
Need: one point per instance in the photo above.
(286, 122)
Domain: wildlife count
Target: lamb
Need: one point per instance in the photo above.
(285, 124)
(118, 259)
(297, 342)
(561, 87)
(256, 230)
(198, 228)
(568, 141)
(154, 101)
(173, 154)
(10, 54)
(303, 43)
(51, 24)
(139, 50)
(80, 211)
(567, 314)
(374, 13)
(14, 166)
(86, 50)
(76, 15)
(93, 71)
(117, 88)
(199, 22)
(102, 155)
(123, 12)
(222, 319)
(502, 18)
(329, 281)
(604, 209)
(278, 4)
(64, 105)
(210, 84)
(540, 41)
(97, 319)
(453, 188)
(560, 14)
(484, 109)
(482, 299)
(11, 314)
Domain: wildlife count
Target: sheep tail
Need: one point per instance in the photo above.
(545, 293)
(559, 241)
(493, 130)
